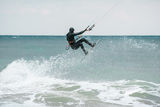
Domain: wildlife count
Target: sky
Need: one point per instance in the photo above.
(55, 17)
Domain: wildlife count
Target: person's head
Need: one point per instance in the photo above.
(71, 29)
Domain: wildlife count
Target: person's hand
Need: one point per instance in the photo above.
(87, 28)
(90, 28)
(79, 36)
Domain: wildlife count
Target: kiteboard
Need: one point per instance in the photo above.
(96, 43)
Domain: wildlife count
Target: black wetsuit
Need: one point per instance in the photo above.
(75, 45)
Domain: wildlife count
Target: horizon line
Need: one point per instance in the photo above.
(84, 35)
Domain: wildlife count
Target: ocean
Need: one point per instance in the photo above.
(121, 71)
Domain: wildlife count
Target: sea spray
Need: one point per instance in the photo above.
(120, 71)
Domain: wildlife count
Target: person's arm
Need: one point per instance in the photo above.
(75, 34)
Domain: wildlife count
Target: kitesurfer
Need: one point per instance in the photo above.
(76, 44)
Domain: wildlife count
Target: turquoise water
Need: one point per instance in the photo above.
(119, 71)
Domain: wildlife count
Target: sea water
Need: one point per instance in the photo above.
(121, 71)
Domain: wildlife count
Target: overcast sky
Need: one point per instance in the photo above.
(52, 17)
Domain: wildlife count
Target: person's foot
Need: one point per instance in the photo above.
(86, 52)
(93, 45)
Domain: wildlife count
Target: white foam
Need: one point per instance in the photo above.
(32, 77)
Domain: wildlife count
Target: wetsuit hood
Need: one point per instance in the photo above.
(71, 29)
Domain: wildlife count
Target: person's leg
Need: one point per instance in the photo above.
(86, 41)
(82, 47)
(79, 44)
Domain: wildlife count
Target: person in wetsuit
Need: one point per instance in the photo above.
(76, 44)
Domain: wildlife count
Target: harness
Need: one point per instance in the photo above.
(71, 42)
